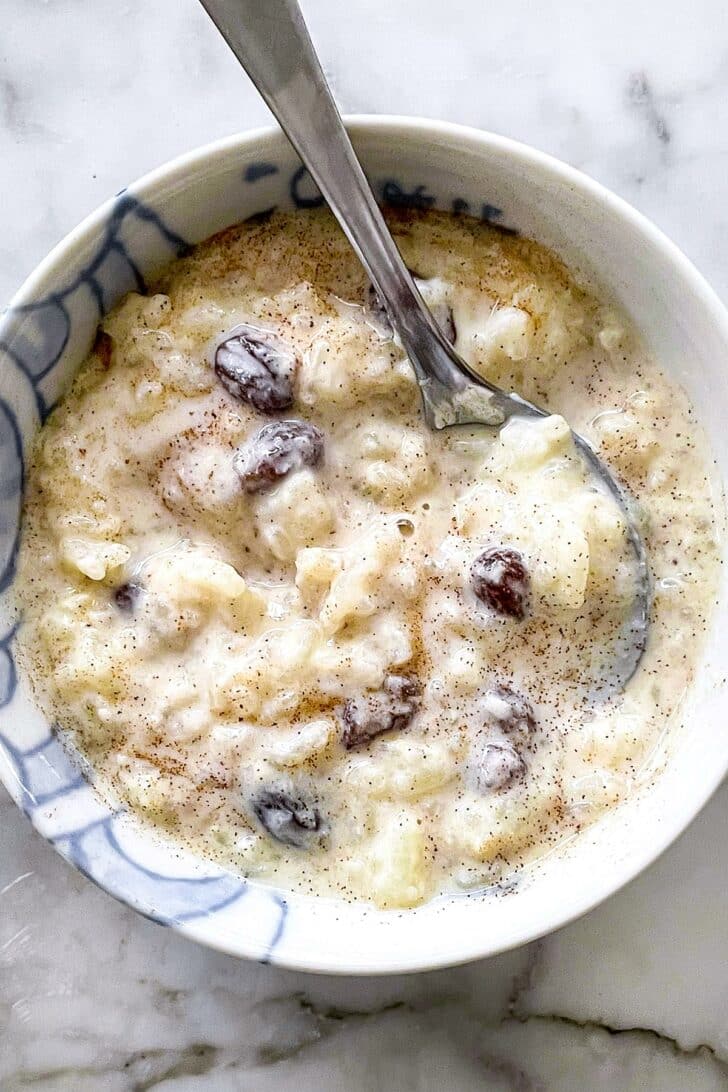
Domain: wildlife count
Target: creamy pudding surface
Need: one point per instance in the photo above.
(306, 636)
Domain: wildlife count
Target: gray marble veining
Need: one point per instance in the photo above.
(635, 995)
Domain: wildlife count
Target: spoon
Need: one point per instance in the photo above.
(272, 43)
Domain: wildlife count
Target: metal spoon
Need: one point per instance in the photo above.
(271, 41)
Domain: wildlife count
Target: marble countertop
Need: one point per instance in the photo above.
(635, 995)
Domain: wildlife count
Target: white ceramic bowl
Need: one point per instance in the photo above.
(44, 336)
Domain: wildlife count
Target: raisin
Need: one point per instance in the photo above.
(500, 579)
(496, 766)
(509, 711)
(255, 367)
(126, 596)
(277, 450)
(386, 710)
(289, 820)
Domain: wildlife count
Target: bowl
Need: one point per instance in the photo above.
(44, 336)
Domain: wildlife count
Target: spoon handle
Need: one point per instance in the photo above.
(272, 43)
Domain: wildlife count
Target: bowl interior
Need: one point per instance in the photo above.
(46, 333)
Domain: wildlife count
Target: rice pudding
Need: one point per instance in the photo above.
(294, 628)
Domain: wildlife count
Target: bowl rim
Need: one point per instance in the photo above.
(461, 137)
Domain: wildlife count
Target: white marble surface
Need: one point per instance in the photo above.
(632, 997)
